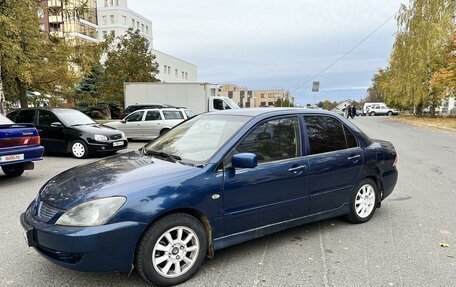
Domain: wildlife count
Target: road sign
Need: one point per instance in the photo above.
(315, 86)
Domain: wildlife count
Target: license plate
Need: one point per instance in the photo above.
(13, 157)
(118, 143)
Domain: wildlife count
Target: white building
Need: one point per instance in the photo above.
(114, 17)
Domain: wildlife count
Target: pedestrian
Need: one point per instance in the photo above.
(353, 111)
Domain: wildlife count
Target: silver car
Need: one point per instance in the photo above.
(150, 123)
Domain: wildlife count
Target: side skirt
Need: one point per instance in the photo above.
(236, 238)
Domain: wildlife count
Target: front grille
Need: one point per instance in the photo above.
(115, 137)
(46, 212)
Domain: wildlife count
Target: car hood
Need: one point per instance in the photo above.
(98, 129)
(122, 174)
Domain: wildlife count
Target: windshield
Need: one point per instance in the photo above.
(230, 102)
(4, 120)
(73, 118)
(195, 141)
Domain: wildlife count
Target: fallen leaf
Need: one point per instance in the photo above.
(450, 255)
(444, 244)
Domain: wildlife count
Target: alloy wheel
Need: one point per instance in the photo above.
(365, 201)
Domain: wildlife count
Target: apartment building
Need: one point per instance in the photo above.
(55, 21)
(115, 18)
(246, 98)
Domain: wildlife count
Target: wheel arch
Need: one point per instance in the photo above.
(200, 216)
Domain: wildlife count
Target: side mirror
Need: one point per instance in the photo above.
(57, 125)
(123, 121)
(244, 160)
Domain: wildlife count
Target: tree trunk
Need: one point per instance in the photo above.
(22, 93)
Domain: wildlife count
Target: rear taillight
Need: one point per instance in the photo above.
(10, 142)
(395, 161)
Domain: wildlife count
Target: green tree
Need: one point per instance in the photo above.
(129, 61)
(424, 33)
(32, 60)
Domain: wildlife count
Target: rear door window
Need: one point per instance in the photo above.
(135, 117)
(325, 134)
(173, 115)
(153, 116)
(26, 116)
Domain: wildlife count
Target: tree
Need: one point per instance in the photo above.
(129, 61)
(444, 80)
(34, 61)
(419, 51)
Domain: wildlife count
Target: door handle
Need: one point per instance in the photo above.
(297, 168)
(354, 157)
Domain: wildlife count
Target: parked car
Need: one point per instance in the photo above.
(381, 110)
(19, 147)
(366, 107)
(70, 131)
(213, 181)
(151, 123)
(128, 110)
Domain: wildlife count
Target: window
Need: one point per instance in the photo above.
(153, 116)
(273, 140)
(175, 73)
(186, 76)
(147, 29)
(26, 116)
(111, 2)
(164, 69)
(117, 2)
(137, 25)
(189, 113)
(173, 115)
(132, 23)
(169, 70)
(106, 3)
(142, 27)
(262, 95)
(135, 117)
(350, 138)
(124, 20)
(230, 94)
(325, 134)
(105, 21)
(112, 19)
(183, 75)
(46, 118)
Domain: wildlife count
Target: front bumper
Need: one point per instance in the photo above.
(105, 248)
(99, 147)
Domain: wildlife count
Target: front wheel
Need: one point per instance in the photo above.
(390, 113)
(372, 114)
(171, 250)
(13, 170)
(79, 149)
(363, 202)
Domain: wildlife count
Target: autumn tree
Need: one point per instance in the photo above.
(130, 60)
(419, 51)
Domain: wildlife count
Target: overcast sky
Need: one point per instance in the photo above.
(263, 44)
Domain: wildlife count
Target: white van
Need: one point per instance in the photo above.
(367, 106)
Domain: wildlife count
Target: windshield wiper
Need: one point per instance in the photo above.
(173, 158)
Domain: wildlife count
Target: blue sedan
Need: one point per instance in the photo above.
(19, 147)
(213, 181)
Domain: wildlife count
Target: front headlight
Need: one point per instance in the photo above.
(92, 213)
(100, 138)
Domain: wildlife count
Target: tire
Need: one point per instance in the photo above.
(372, 114)
(13, 170)
(79, 149)
(363, 202)
(390, 113)
(158, 266)
(164, 131)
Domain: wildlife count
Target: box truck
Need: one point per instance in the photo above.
(198, 97)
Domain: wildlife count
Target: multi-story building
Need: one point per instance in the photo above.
(56, 19)
(115, 18)
(246, 98)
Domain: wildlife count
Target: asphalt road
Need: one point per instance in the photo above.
(398, 247)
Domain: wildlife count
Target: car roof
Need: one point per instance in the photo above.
(253, 112)
(45, 108)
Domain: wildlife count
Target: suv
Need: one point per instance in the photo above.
(128, 110)
(381, 109)
(151, 123)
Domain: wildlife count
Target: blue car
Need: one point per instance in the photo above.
(213, 181)
(19, 147)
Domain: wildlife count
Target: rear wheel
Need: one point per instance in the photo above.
(390, 113)
(164, 131)
(372, 114)
(13, 170)
(79, 149)
(363, 202)
(171, 250)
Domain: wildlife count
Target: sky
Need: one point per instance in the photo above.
(278, 44)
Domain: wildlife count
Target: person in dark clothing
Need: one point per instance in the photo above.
(351, 111)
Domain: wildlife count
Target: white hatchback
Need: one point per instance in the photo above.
(151, 123)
